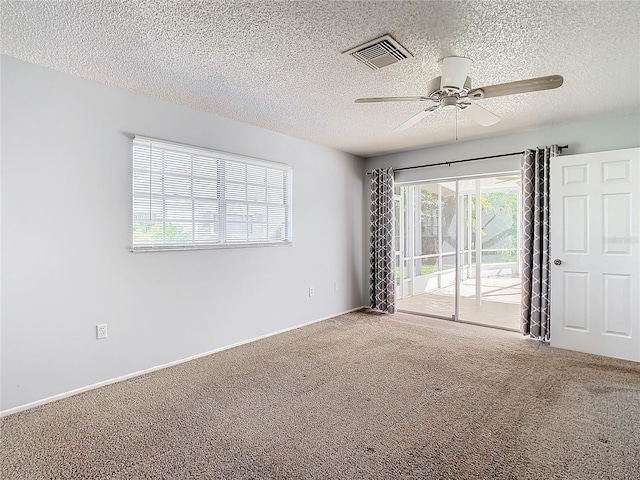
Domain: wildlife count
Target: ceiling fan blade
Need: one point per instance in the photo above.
(521, 86)
(479, 114)
(392, 99)
(454, 72)
(416, 118)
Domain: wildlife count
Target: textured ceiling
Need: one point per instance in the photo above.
(279, 65)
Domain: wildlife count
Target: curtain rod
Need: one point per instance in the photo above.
(560, 147)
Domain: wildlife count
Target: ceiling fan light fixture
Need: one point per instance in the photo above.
(454, 72)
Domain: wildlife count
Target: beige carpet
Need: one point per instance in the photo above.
(357, 397)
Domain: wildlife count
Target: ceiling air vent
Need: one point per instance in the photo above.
(379, 53)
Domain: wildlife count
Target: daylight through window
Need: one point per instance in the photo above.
(187, 197)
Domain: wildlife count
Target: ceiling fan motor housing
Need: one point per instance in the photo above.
(436, 93)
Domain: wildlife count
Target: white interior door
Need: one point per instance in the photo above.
(595, 252)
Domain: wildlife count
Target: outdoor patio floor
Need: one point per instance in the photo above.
(500, 305)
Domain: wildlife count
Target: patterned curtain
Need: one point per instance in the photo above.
(382, 268)
(535, 249)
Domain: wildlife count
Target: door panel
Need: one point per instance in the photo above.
(490, 283)
(617, 304)
(617, 223)
(595, 213)
(576, 226)
(576, 285)
(398, 235)
(429, 248)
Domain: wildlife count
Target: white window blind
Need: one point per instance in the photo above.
(187, 197)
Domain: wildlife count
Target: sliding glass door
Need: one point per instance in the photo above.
(458, 248)
(428, 259)
(489, 289)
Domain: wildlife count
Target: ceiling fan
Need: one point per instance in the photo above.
(453, 90)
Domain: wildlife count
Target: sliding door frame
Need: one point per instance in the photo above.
(460, 248)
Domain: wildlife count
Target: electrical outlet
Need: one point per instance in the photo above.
(335, 286)
(311, 291)
(101, 331)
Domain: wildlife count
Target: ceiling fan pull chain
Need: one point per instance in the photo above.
(456, 124)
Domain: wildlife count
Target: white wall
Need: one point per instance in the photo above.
(66, 186)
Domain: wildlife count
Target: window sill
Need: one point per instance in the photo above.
(223, 246)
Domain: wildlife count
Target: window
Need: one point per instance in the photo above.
(188, 198)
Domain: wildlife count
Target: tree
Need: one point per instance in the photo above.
(147, 232)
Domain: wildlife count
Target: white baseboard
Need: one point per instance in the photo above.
(76, 391)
